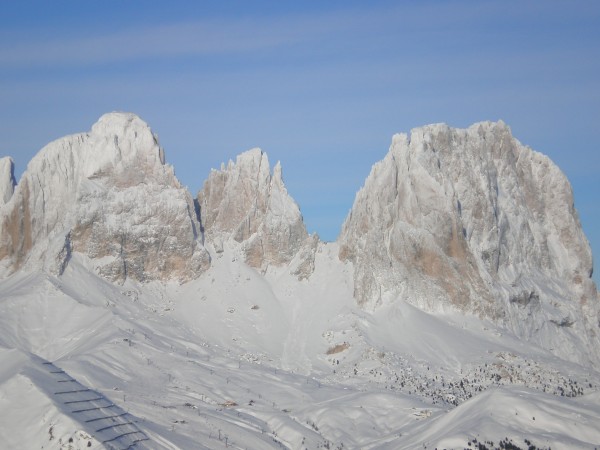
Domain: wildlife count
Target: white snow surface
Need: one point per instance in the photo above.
(266, 361)
(128, 345)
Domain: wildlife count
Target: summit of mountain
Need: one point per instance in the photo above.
(474, 221)
(109, 195)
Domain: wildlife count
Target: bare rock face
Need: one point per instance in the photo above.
(472, 220)
(244, 202)
(109, 195)
(7, 179)
(303, 264)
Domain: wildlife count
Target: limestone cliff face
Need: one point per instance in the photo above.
(473, 220)
(7, 179)
(245, 202)
(109, 195)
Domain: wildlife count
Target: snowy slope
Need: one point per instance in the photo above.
(192, 362)
(514, 415)
(264, 341)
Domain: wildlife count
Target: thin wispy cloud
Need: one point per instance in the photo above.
(201, 37)
(157, 42)
(237, 35)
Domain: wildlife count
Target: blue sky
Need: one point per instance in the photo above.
(321, 86)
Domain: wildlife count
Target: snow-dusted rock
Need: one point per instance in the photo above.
(303, 264)
(299, 359)
(109, 195)
(7, 179)
(473, 220)
(245, 202)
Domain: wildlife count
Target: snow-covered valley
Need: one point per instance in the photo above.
(262, 342)
(265, 362)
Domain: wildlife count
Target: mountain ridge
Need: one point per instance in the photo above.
(466, 219)
(454, 309)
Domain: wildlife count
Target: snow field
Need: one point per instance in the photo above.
(250, 361)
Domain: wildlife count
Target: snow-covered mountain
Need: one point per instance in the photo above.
(245, 202)
(109, 195)
(475, 221)
(455, 310)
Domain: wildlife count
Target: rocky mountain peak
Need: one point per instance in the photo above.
(246, 203)
(471, 219)
(124, 141)
(109, 195)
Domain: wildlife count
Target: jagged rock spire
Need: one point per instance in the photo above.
(247, 203)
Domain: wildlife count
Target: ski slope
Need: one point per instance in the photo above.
(247, 360)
